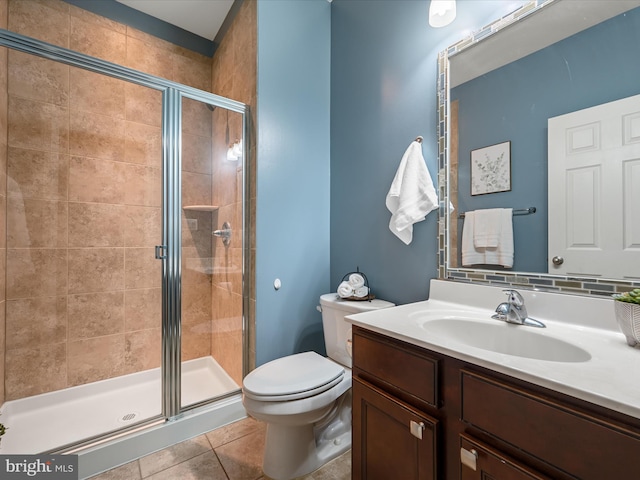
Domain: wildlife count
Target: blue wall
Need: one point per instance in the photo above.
(367, 71)
(292, 218)
(514, 102)
(383, 94)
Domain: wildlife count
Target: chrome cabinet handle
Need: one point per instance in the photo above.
(416, 429)
(469, 458)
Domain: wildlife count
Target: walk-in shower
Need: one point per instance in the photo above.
(123, 310)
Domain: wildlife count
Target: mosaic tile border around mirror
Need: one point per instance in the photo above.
(543, 282)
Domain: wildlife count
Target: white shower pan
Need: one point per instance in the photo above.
(48, 421)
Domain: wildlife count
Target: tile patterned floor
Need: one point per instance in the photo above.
(232, 452)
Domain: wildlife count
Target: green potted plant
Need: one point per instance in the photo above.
(627, 308)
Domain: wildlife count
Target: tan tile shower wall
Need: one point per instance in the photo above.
(83, 202)
(197, 258)
(234, 76)
(3, 193)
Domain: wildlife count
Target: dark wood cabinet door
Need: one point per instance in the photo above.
(386, 443)
(481, 462)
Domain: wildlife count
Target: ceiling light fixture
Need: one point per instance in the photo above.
(442, 12)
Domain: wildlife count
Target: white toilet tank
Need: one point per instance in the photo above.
(337, 331)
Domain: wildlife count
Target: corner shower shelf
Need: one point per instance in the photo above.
(201, 208)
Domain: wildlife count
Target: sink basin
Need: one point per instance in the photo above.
(501, 337)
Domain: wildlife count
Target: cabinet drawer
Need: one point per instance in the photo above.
(573, 441)
(401, 365)
(488, 463)
(391, 440)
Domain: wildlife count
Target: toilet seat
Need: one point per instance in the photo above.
(293, 377)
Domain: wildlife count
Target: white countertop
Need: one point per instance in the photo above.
(610, 378)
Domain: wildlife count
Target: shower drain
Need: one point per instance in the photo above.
(128, 417)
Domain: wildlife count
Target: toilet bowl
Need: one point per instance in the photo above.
(305, 398)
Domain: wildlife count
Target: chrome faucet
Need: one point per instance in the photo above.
(515, 311)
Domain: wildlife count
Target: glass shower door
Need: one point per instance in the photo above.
(105, 305)
(84, 289)
(212, 251)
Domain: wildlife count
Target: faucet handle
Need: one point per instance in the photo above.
(514, 297)
(503, 308)
(502, 311)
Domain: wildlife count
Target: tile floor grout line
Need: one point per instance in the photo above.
(221, 464)
(208, 440)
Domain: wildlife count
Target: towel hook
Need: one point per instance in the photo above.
(419, 139)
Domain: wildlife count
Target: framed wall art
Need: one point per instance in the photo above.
(491, 169)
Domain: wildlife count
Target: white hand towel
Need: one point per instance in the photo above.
(345, 290)
(486, 228)
(356, 281)
(502, 254)
(470, 255)
(412, 194)
(361, 292)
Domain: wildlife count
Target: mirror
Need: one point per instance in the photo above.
(498, 89)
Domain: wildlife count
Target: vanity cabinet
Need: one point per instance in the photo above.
(396, 440)
(483, 424)
(393, 437)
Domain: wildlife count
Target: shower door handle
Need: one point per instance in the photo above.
(161, 252)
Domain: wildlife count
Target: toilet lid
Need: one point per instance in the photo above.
(296, 376)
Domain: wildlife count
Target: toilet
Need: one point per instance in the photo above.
(305, 399)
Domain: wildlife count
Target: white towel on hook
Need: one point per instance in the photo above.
(412, 194)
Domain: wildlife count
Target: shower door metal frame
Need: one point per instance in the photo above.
(173, 120)
(170, 251)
